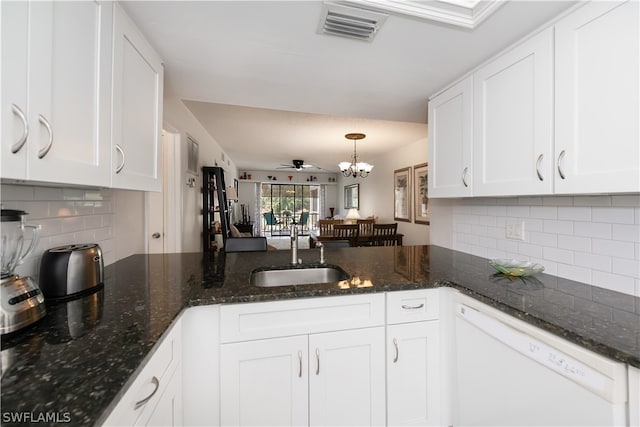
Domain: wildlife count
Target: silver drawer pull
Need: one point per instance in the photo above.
(560, 158)
(464, 176)
(395, 344)
(121, 151)
(44, 150)
(412, 307)
(156, 383)
(317, 361)
(300, 364)
(25, 129)
(540, 157)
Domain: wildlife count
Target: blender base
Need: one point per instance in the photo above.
(21, 303)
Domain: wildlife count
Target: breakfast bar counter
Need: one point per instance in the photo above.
(74, 363)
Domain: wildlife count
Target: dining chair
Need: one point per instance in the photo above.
(326, 226)
(365, 227)
(386, 240)
(385, 229)
(270, 219)
(346, 232)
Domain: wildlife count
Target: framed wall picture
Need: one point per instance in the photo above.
(402, 194)
(352, 196)
(421, 196)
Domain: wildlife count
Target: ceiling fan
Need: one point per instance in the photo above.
(296, 164)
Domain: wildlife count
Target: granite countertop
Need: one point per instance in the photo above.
(76, 361)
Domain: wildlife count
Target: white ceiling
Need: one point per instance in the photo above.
(267, 55)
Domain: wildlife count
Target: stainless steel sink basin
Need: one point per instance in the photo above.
(296, 275)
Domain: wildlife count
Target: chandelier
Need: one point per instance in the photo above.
(355, 168)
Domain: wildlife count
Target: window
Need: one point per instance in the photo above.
(289, 203)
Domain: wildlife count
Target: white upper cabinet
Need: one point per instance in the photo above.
(597, 146)
(56, 77)
(450, 136)
(513, 121)
(137, 108)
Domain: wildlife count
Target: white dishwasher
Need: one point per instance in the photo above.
(509, 373)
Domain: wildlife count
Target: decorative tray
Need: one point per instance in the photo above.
(514, 267)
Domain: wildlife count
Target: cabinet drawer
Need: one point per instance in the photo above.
(161, 365)
(241, 322)
(412, 306)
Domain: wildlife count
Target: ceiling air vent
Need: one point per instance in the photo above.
(344, 21)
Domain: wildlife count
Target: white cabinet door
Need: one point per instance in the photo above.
(264, 382)
(513, 121)
(597, 140)
(137, 108)
(346, 378)
(450, 137)
(168, 411)
(413, 374)
(68, 83)
(13, 78)
(634, 396)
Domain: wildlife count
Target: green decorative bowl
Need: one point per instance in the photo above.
(517, 268)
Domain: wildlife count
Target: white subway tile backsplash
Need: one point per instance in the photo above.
(613, 248)
(544, 212)
(592, 201)
(574, 243)
(613, 215)
(593, 261)
(558, 255)
(626, 200)
(627, 267)
(614, 282)
(543, 239)
(627, 233)
(66, 216)
(574, 213)
(558, 227)
(592, 229)
(590, 239)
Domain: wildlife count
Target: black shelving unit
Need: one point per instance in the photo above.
(215, 208)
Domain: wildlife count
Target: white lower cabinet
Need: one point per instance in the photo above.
(155, 395)
(318, 361)
(634, 396)
(413, 358)
(413, 374)
(346, 378)
(264, 382)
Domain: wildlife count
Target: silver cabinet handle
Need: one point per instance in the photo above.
(25, 129)
(395, 344)
(412, 307)
(464, 176)
(317, 361)
(156, 383)
(44, 150)
(560, 158)
(300, 364)
(540, 157)
(121, 151)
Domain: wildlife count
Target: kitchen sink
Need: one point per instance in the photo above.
(297, 275)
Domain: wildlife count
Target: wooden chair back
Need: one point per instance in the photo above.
(346, 232)
(365, 227)
(386, 240)
(385, 229)
(326, 226)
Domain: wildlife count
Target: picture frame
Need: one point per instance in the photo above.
(402, 194)
(352, 196)
(421, 212)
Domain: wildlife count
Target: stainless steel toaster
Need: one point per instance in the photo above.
(71, 270)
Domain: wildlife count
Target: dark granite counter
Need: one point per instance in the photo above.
(73, 364)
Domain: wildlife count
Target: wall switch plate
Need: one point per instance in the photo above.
(515, 231)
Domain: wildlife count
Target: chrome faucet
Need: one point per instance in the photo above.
(294, 244)
(321, 246)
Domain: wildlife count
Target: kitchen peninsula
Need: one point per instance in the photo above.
(78, 359)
